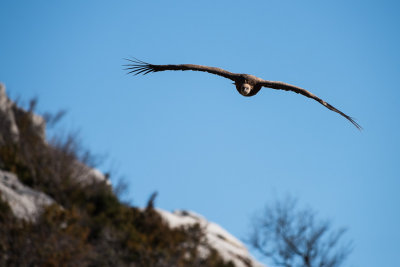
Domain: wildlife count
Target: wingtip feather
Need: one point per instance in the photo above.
(138, 66)
(352, 120)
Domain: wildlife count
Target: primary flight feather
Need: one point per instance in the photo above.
(246, 84)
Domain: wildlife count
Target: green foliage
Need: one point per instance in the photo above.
(88, 226)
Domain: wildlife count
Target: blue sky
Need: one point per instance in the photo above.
(193, 138)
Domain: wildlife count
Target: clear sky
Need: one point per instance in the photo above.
(193, 138)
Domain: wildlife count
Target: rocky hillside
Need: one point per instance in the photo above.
(57, 210)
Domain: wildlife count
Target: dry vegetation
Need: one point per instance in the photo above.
(88, 226)
(295, 237)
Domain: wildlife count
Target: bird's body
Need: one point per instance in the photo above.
(246, 84)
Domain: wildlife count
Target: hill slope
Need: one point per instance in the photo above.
(56, 210)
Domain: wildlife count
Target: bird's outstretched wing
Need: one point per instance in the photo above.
(298, 90)
(139, 67)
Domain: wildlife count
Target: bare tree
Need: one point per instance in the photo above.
(293, 237)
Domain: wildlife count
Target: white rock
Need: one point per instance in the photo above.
(86, 175)
(7, 118)
(25, 202)
(228, 246)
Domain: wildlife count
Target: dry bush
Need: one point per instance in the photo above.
(293, 237)
(89, 226)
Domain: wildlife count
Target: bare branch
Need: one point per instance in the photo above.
(292, 237)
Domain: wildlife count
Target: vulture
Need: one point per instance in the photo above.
(247, 85)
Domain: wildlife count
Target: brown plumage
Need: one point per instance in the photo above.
(246, 84)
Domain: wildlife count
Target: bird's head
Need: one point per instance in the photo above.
(244, 89)
(247, 88)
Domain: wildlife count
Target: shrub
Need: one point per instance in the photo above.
(89, 226)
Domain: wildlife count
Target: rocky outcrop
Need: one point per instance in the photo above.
(25, 202)
(7, 118)
(8, 114)
(228, 246)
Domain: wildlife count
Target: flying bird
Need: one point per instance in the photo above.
(247, 85)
